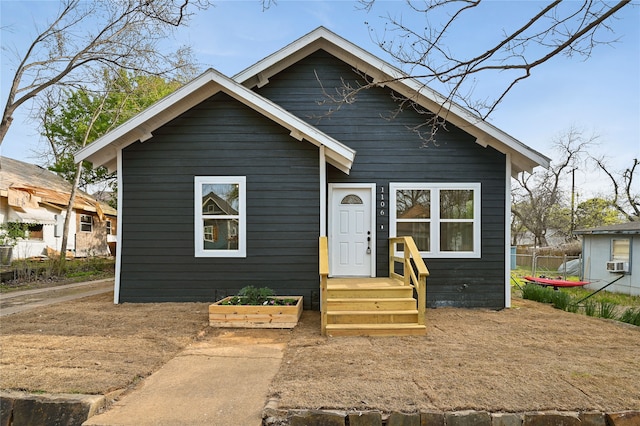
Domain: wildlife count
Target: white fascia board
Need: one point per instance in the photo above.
(486, 134)
(292, 50)
(102, 152)
(338, 161)
(386, 74)
(298, 127)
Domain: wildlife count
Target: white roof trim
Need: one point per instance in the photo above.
(524, 158)
(103, 151)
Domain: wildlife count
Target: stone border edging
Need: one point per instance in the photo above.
(274, 416)
(22, 408)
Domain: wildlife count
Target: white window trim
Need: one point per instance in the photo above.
(242, 220)
(434, 221)
(617, 258)
(89, 223)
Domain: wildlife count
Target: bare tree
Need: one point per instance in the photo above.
(89, 39)
(538, 197)
(625, 199)
(558, 28)
(86, 35)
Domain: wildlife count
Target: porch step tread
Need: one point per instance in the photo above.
(370, 299)
(369, 312)
(376, 329)
(370, 292)
(368, 326)
(364, 286)
(377, 317)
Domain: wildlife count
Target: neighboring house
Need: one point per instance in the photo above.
(297, 173)
(609, 252)
(554, 237)
(39, 198)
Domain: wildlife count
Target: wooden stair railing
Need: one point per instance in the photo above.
(324, 275)
(414, 275)
(414, 270)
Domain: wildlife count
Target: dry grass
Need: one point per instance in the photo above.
(531, 357)
(93, 346)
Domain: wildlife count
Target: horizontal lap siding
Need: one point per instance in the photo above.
(220, 137)
(387, 151)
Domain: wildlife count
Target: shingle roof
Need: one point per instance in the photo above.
(102, 152)
(522, 156)
(621, 228)
(44, 184)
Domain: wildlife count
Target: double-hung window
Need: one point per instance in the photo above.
(443, 219)
(86, 223)
(220, 216)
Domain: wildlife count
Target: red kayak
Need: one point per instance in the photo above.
(556, 283)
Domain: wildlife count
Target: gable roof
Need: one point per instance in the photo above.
(620, 228)
(523, 158)
(222, 204)
(44, 186)
(103, 151)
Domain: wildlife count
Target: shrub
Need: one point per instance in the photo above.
(572, 307)
(604, 307)
(631, 316)
(537, 293)
(561, 300)
(590, 308)
(607, 310)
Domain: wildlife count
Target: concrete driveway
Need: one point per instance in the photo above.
(19, 301)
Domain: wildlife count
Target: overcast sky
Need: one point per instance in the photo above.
(599, 96)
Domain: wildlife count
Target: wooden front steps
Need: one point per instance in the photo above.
(371, 307)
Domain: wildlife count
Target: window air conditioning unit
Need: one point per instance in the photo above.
(618, 266)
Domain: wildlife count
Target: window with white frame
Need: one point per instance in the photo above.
(443, 219)
(86, 223)
(220, 216)
(620, 249)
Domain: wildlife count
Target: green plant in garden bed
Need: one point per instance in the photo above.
(251, 295)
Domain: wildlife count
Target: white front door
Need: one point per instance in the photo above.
(351, 230)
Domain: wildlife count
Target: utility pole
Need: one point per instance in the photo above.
(573, 198)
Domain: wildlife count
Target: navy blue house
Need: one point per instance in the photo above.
(229, 182)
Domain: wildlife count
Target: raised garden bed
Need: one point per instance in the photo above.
(222, 314)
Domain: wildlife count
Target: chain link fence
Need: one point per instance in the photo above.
(552, 266)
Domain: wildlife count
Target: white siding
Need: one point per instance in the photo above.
(596, 254)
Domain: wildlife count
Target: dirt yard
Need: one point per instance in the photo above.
(530, 357)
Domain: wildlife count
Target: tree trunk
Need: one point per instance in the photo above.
(4, 127)
(67, 219)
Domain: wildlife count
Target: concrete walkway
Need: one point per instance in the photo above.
(19, 301)
(221, 382)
